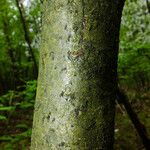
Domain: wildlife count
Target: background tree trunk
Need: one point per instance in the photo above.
(75, 103)
(27, 37)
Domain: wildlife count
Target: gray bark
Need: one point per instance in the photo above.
(75, 102)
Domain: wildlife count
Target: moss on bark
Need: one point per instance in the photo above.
(75, 103)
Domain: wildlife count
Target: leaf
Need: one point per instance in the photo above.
(26, 105)
(24, 126)
(9, 108)
(6, 138)
(3, 117)
(26, 134)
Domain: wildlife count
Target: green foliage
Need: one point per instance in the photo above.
(134, 72)
(16, 61)
(16, 108)
(17, 68)
(134, 56)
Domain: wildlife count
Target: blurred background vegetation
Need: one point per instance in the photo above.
(20, 25)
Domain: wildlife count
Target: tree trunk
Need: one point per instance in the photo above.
(75, 103)
(27, 38)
